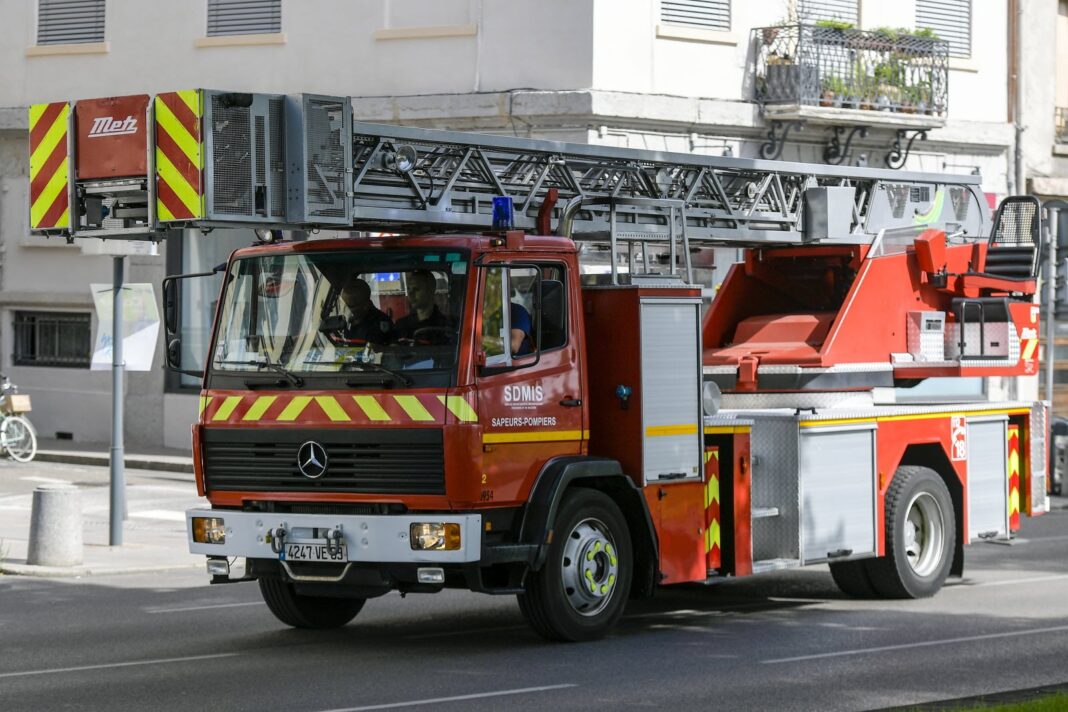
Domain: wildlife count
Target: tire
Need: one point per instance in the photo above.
(18, 438)
(582, 588)
(852, 578)
(300, 611)
(921, 536)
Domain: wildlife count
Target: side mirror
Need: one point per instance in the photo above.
(172, 318)
(170, 307)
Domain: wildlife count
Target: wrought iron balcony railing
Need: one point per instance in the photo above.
(1060, 124)
(811, 65)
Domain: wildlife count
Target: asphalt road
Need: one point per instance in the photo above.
(783, 641)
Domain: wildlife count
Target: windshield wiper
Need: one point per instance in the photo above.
(295, 380)
(374, 367)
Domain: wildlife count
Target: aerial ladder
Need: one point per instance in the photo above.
(207, 159)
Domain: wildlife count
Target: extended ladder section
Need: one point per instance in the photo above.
(137, 166)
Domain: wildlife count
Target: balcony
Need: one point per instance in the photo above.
(835, 75)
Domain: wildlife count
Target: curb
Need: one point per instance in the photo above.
(81, 571)
(133, 462)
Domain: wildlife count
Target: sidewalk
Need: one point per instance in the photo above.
(165, 459)
(159, 489)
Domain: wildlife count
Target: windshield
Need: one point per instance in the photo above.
(396, 313)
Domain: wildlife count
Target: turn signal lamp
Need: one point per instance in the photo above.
(209, 530)
(435, 536)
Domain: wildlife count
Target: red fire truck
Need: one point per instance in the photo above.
(512, 380)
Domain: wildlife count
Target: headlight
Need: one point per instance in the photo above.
(209, 530)
(435, 536)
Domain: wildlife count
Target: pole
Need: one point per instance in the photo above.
(1051, 296)
(118, 484)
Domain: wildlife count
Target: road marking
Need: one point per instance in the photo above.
(164, 514)
(80, 668)
(924, 644)
(457, 698)
(1013, 582)
(46, 480)
(202, 608)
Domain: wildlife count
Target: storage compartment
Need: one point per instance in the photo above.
(671, 387)
(988, 478)
(645, 380)
(837, 492)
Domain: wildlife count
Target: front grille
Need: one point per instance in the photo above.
(364, 461)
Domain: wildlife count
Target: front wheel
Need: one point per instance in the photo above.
(581, 590)
(302, 611)
(18, 438)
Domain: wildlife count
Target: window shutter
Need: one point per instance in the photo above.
(710, 14)
(244, 17)
(812, 11)
(70, 21)
(951, 20)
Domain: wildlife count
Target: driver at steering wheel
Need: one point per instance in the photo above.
(424, 312)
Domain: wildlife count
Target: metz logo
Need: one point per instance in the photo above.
(107, 126)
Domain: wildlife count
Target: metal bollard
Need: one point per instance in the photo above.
(56, 526)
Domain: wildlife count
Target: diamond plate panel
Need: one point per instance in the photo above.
(774, 446)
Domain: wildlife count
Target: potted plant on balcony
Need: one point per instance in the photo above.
(889, 79)
(835, 92)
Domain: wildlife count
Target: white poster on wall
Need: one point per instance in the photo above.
(140, 326)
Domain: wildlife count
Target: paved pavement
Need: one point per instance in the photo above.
(153, 533)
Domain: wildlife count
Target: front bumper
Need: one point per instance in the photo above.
(380, 538)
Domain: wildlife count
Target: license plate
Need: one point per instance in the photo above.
(314, 552)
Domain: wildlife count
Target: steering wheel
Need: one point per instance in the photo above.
(432, 335)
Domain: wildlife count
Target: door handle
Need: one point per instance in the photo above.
(571, 402)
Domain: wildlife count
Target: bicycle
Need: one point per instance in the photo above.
(17, 436)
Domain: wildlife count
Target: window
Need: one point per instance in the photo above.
(812, 11)
(52, 339)
(520, 321)
(708, 14)
(951, 20)
(70, 21)
(244, 17)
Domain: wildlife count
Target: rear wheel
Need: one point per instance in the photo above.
(301, 611)
(921, 531)
(581, 590)
(852, 579)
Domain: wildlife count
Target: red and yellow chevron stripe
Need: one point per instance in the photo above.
(179, 156)
(361, 409)
(49, 167)
(1014, 477)
(713, 545)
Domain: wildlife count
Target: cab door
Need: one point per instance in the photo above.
(530, 396)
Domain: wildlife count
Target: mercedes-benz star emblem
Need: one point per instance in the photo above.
(311, 460)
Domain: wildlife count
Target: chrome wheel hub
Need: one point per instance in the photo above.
(924, 534)
(590, 567)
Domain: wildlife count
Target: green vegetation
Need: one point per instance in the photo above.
(1050, 703)
(834, 24)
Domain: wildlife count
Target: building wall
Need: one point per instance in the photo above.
(347, 47)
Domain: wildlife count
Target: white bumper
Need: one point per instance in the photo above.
(368, 538)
